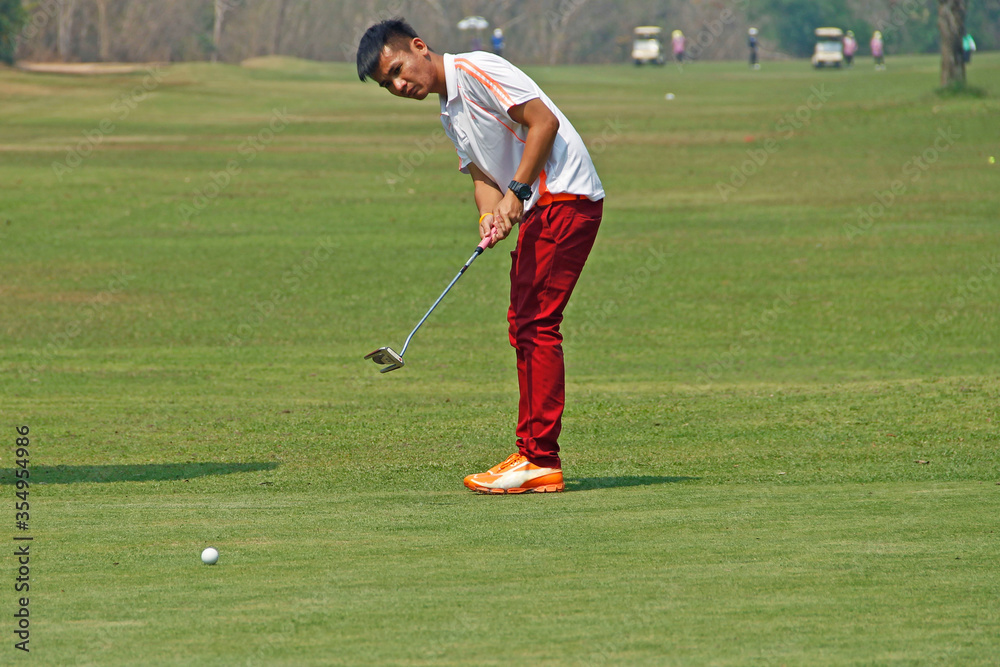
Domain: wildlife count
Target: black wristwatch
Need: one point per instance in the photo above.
(521, 190)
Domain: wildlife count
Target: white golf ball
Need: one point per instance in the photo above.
(670, 96)
(210, 556)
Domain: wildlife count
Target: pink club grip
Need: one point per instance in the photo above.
(489, 239)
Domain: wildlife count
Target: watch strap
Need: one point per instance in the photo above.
(521, 190)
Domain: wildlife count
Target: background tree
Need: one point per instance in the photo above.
(278, 27)
(221, 7)
(103, 34)
(791, 23)
(66, 16)
(12, 18)
(951, 23)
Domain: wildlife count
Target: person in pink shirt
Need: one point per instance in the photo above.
(850, 48)
(878, 50)
(677, 39)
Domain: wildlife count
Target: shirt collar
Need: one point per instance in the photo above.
(450, 78)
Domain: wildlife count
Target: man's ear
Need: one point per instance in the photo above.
(419, 46)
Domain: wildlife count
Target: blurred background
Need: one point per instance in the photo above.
(540, 31)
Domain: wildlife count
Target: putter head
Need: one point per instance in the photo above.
(385, 355)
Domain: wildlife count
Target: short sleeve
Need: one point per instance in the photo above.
(495, 82)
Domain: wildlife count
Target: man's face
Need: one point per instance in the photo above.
(405, 69)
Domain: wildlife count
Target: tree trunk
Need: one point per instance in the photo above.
(220, 14)
(559, 22)
(951, 23)
(66, 8)
(102, 30)
(278, 27)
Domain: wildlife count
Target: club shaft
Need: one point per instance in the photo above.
(454, 280)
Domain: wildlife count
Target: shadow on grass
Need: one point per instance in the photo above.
(131, 472)
(592, 483)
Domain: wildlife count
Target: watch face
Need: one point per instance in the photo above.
(521, 190)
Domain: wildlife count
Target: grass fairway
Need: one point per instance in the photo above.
(793, 302)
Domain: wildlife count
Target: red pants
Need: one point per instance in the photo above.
(552, 246)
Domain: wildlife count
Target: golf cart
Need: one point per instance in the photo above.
(646, 45)
(829, 48)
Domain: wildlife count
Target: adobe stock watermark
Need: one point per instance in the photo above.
(268, 652)
(710, 31)
(611, 131)
(409, 162)
(911, 172)
(122, 107)
(559, 16)
(247, 152)
(291, 283)
(99, 638)
(787, 125)
(959, 298)
(899, 15)
(626, 289)
(642, 620)
(44, 12)
(228, 5)
(350, 49)
(756, 331)
(94, 310)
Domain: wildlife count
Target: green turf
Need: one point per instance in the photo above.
(754, 372)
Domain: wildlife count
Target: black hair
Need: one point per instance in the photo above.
(375, 39)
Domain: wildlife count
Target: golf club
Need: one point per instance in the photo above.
(386, 356)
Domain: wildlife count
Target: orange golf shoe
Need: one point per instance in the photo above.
(516, 474)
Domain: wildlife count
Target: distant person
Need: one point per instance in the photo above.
(498, 42)
(677, 39)
(752, 41)
(878, 50)
(850, 48)
(968, 46)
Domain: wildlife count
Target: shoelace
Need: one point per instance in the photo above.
(511, 461)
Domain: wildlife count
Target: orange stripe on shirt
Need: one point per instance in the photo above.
(486, 80)
(492, 115)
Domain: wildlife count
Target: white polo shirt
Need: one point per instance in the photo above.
(482, 87)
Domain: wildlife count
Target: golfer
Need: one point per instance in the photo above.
(878, 49)
(530, 170)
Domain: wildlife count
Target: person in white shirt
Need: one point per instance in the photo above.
(530, 169)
